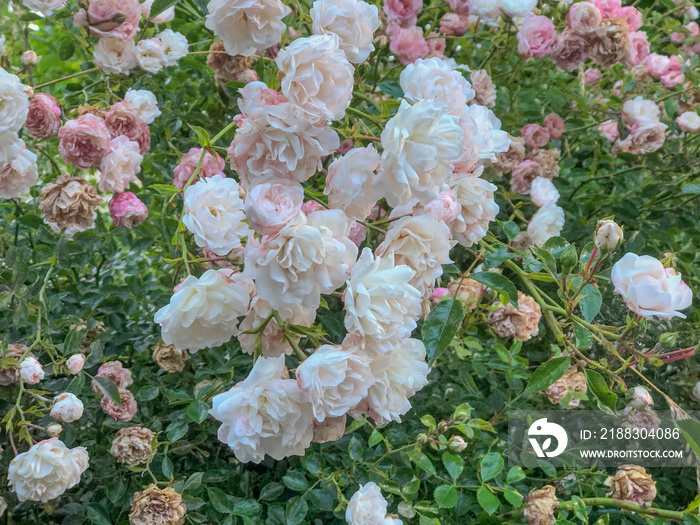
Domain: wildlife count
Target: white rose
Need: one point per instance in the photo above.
(30, 370)
(545, 224)
(641, 398)
(15, 102)
(19, 175)
(316, 76)
(487, 10)
(435, 79)
(265, 414)
(543, 192)
(10, 146)
(380, 304)
(120, 166)
(310, 256)
(518, 8)
(150, 55)
(649, 289)
(273, 342)
(45, 7)
(398, 375)
(214, 214)
(46, 470)
(204, 312)
(420, 143)
(422, 243)
(145, 104)
(351, 182)
(482, 130)
(247, 26)
(279, 142)
(689, 122)
(353, 21)
(335, 379)
(175, 45)
(67, 408)
(368, 507)
(640, 109)
(269, 207)
(477, 209)
(609, 235)
(115, 56)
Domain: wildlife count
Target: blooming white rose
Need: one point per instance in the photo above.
(420, 143)
(121, 164)
(482, 130)
(368, 507)
(214, 214)
(10, 146)
(269, 207)
(46, 470)
(353, 21)
(351, 182)
(689, 122)
(487, 10)
(45, 7)
(14, 102)
(18, 175)
(380, 304)
(518, 8)
(316, 76)
(398, 375)
(543, 191)
(649, 289)
(175, 45)
(115, 56)
(435, 79)
(145, 104)
(420, 242)
(150, 55)
(545, 224)
(477, 209)
(265, 414)
(67, 408)
(203, 312)
(639, 109)
(310, 256)
(335, 379)
(30, 370)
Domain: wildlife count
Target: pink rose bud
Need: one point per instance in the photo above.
(438, 294)
(67, 408)
(54, 429)
(44, 116)
(211, 165)
(592, 76)
(457, 444)
(124, 119)
(608, 8)
(110, 18)
(75, 363)
(29, 58)
(671, 78)
(30, 371)
(555, 125)
(677, 38)
(689, 122)
(127, 210)
(609, 130)
(403, 12)
(535, 136)
(641, 398)
(84, 142)
(358, 234)
(247, 76)
(676, 63)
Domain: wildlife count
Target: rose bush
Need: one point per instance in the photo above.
(289, 262)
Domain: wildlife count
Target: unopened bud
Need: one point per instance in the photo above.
(641, 398)
(609, 235)
(422, 439)
(457, 443)
(54, 429)
(669, 339)
(29, 58)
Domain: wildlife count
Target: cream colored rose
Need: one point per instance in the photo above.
(14, 102)
(478, 209)
(18, 175)
(30, 370)
(175, 45)
(132, 445)
(545, 224)
(633, 485)
(115, 56)
(270, 206)
(144, 102)
(353, 21)
(351, 182)
(543, 192)
(367, 506)
(540, 506)
(67, 408)
(435, 79)
(150, 55)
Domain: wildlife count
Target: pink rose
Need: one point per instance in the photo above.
(584, 18)
(671, 78)
(123, 119)
(637, 49)
(438, 294)
(127, 210)
(522, 176)
(657, 65)
(535, 136)
(555, 125)
(436, 46)
(444, 207)
(408, 44)
(536, 37)
(270, 207)
(592, 76)
(83, 142)
(608, 8)
(115, 371)
(459, 6)
(102, 17)
(403, 12)
(30, 370)
(211, 165)
(345, 146)
(44, 117)
(677, 38)
(75, 363)
(648, 136)
(616, 88)
(358, 234)
(570, 50)
(609, 130)
(454, 24)
(676, 63)
(689, 122)
(311, 206)
(126, 411)
(633, 17)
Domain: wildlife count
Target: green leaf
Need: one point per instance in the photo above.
(148, 393)
(547, 374)
(219, 499)
(271, 491)
(491, 466)
(391, 88)
(440, 327)
(499, 283)
(295, 480)
(691, 188)
(590, 303)
(177, 430)
(580, 509)
(165, 189)
(511, 229)
(487, 500)
(247, 508)
(115, 490)
(420, 459)
(193, 482)
(161, 5)
(513, 497)
(355, 449)
(167, 467)
(598, 387)
(296, 510)
(198, 411)
(109, 389)
(446, 496)
(584, 337)
(514, 475)
(453, 464)
(202, 136)
(375, 438)
(98, 515)
(690, 429)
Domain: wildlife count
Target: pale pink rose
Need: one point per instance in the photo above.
(459, 6)
(358, 234)
(120, 166)
(126, 411)
(677, 38)
(657, 65)
(445, 207)
(44, 117)
(127, 210)
(633, 17)
(75, 363)
(30, 370)
(115, 371)
(555, 125)
(123, 119)
(438, 294)
(648, 136)
(271, 206)
(608, 8)
(570, 50)
(311, 206)
(676, 63)
(404, 12)
(345, 146)
(212, 165)
(536, 37)
(83, 142)
(408, 44)
(693, 28)
(671, 78)
(689, 122)
(543, 192)
(592, 76)
(150, 55)
(535, 136)
(637, 49)
(454, 24)
(609, 130)
(639, 108)
(523, 175)
(584, 18)
(102, 17)
(436, 46)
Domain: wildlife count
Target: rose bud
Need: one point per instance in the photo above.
(75, 363)
(609, 235)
